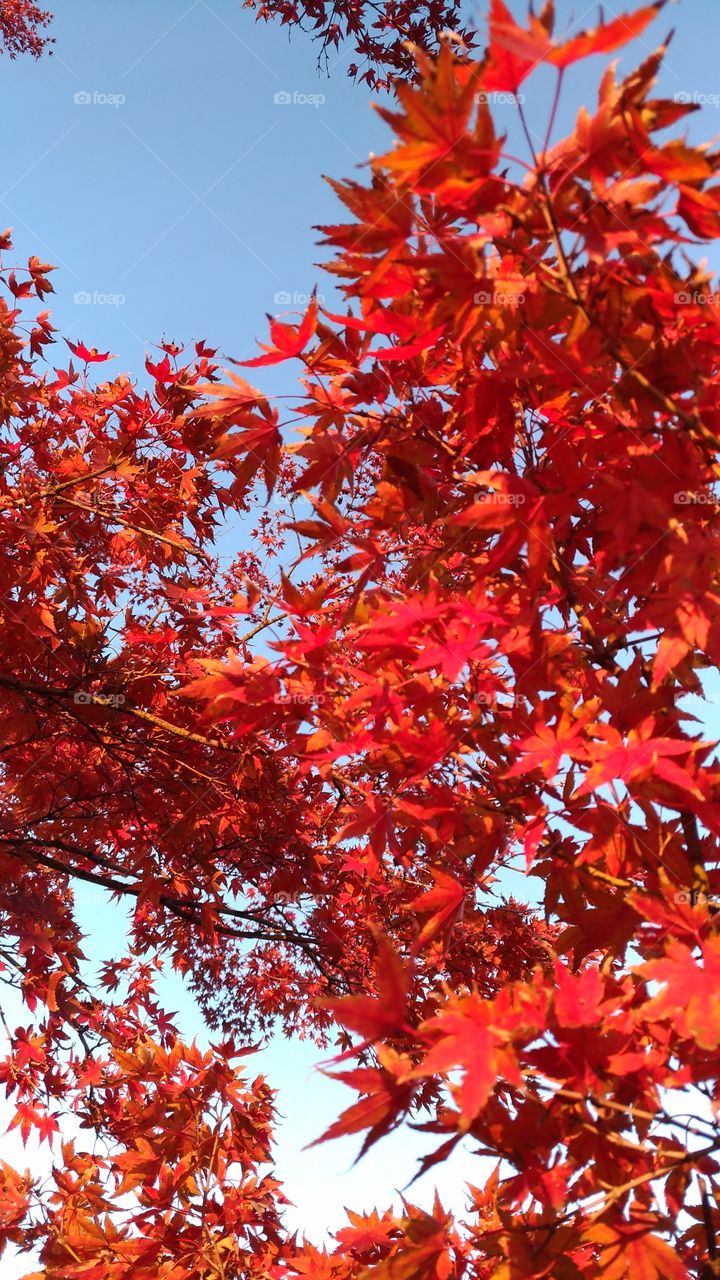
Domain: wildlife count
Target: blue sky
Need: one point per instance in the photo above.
(150, 161)
(193, 199)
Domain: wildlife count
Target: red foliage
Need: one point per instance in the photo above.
(21, 27)
(506, 582)
(383, 35)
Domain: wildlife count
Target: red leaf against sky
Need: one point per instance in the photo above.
(88, 355)
(442, 904)
(314, 759)
(288, 340)
(384, 1014)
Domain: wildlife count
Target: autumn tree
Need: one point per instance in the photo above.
(22, 28)
(461, 645)
(113, 592)
(510, 451)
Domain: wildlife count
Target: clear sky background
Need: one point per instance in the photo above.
(149, 160)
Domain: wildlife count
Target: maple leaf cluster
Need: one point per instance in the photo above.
(457, 656)
(384, 35)
(22, 25)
